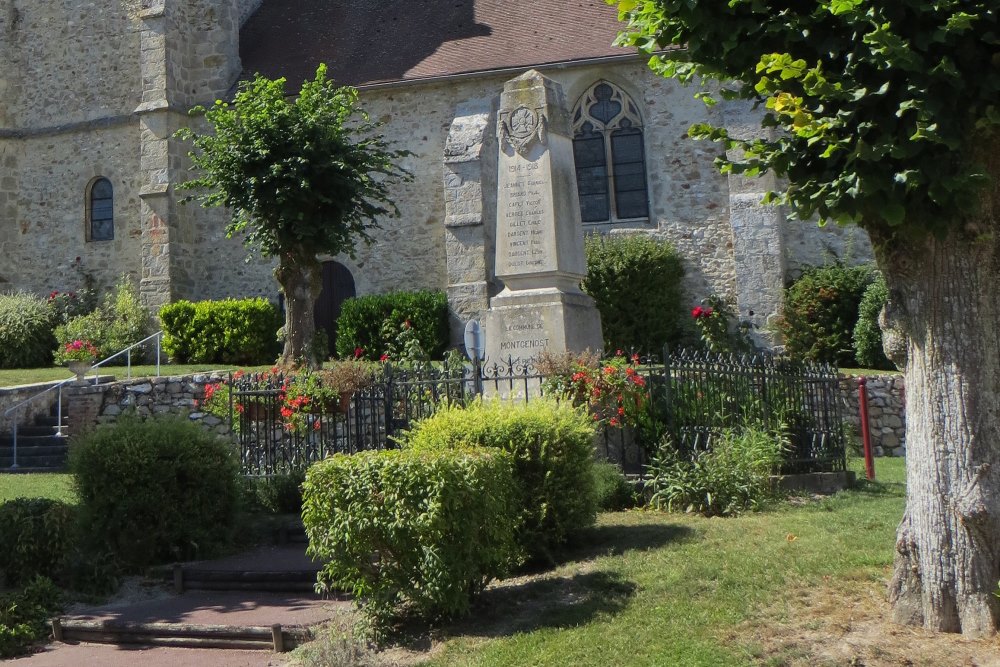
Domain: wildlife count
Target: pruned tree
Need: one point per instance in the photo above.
(301, 177)
(885, 114)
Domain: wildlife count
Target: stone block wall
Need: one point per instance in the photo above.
(176, 395)
(11, 396)
(886, 411)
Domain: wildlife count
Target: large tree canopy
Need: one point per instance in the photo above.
(885, 113)
(301, 176)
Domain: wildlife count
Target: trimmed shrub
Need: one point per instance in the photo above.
(411, 531)
(121, 320)
(867, 334)
(733, 476)
(553, 449)
(23, 616)
(821, 309)
(373, 322)
(636, 281)
(613, 491)
(230, 331)
(38, 534)
(26, 339)
(155, 491)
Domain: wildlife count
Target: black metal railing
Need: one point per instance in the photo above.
(694, 395)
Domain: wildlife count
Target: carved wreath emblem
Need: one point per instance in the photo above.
(520, 127)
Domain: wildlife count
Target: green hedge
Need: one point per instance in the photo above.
(231, 331)
(553, 448)
(155, 491)
(37, 537)
(867, 333)
(24, 614)
(419, 531)
(362, 322)
(636, 281)
(820, 311)
(26, 339)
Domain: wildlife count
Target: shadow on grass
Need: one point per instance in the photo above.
(516, 606)
(863, 487)
(613, 540)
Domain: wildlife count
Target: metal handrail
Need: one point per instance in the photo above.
(59, 426)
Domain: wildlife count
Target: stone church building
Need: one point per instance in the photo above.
(92, 92)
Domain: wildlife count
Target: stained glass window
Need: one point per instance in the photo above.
(102, 214)
(610, 160)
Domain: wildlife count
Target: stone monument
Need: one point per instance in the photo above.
(539, 236)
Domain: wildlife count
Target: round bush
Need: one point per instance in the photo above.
(37, 535)
(635, 280)
(26, 338)
(867, 333)
(821, 309)
(155, 491)
(553, 448)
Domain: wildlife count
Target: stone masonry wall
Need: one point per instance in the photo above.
(176, 395)
(886, 411)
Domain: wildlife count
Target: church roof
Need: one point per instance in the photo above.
(375, 41)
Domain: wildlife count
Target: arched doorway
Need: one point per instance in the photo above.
(338, 284)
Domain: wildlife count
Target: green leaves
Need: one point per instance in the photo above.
(877, 105)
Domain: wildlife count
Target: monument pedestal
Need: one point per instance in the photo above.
(523, 323)
(539, 238)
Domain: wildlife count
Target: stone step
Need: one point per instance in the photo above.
(273, 638)
(36, 430)
(49, 447)
(283, 581)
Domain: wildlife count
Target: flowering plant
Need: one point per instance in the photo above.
(612, 388)
(306, 395)
(714, 322)
(76, 350)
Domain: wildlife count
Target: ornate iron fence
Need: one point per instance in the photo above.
(697, 396)
(704, 394)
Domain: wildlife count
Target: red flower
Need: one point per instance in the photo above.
(358, 352)
(384, 357)
(407, 325)
(696, 312)
(708, 312)
(614, 421)
(618, 353)
(316, 425)
(635, 358)
(239, 408)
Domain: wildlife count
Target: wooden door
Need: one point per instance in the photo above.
(338, 284)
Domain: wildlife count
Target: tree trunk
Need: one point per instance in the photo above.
(300, 275)
(943, 299)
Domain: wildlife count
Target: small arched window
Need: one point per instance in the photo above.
(101, 211)
(610, 160)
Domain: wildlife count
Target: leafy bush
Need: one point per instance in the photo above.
(636, 281)
(120, 321)
(38, 534)
(26, 339)
(410, 530)
(734, 475)
(867, 333)
(23, 615)
(821, 309)
(613, 491)
(155, 491)
(553, 449)
(372, 323)
(231, 331)
(280, 494)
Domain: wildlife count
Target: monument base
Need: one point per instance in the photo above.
(521, 324)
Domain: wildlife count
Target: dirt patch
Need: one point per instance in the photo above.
(846, 623)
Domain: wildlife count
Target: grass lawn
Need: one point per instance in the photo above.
(667, 589)
(56, 485)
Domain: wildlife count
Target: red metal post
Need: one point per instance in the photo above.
(866, 436)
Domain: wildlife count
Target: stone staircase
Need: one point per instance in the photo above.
(40, 448)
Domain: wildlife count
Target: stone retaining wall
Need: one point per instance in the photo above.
(886, 411)
(176, 394)
(11, 396)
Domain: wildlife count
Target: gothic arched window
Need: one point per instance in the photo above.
(101, 211)
(610, 161)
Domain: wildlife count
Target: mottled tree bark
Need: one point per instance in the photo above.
(944, 303)
(300, 275)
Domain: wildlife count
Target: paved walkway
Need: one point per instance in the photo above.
(233, 608)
